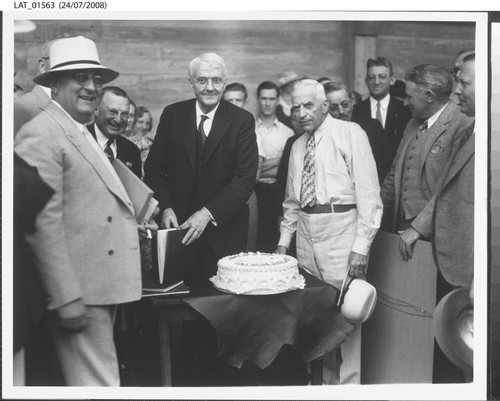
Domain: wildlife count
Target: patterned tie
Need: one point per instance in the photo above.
(201, 130)
(308, 188)
(109, 151)
(379, 115)
(422, 129)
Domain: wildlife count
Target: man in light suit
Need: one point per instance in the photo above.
(453, 220)
(408, 190)
(393, 115)
(202, 167)
(86, 243)
(111, 118)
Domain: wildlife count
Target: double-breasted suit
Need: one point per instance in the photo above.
(453, 222)
(29, 105)
(384, 141)
(86, 241)
(433, 153)
(222, 181)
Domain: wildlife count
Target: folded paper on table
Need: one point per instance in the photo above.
(139, 193)
(174, 260)
(178, 288)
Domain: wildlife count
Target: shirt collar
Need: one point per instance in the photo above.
(258, 121)
(320, 131)
(432, 119)
(79, 126)
(210, 115)
(384, 103)
(102, 139)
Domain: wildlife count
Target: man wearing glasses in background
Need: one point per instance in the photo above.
(202, 167)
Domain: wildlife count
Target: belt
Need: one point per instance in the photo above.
(328, 208)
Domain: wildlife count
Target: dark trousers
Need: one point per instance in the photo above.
(269, 212)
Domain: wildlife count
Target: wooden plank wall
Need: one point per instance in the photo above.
(152, 56)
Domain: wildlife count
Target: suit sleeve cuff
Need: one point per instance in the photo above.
(212, 220)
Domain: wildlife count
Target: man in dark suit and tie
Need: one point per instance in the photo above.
(111, 119)
(202, 167)
(390, 112)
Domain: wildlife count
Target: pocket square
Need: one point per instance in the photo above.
(129, 165)
(437, 148)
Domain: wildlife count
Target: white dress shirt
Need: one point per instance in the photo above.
(207, 125)
(271, 141)
(384, 104)
(345, 174)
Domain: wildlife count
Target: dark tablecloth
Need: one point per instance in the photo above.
(255, 327)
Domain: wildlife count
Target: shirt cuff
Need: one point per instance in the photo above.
(285, 240)
(361, 246)
(212, 220)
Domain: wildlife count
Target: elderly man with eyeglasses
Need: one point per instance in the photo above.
(202, 168)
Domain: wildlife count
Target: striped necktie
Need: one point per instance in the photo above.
(308, 188)
(422, 129)
(109, 151)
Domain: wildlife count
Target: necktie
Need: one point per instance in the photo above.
(379, 115)
(467, 135)
(109, 151)
(422, 129)
(308, 189)
(201, 130)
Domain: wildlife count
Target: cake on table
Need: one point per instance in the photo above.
(258, 274)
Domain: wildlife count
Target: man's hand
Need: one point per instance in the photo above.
(196, 224)
(357, 264)
(406, 241)
(281, 249)
(169, 219)
(149, 228)
(73, 316)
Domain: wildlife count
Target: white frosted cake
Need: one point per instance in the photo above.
(258, 274)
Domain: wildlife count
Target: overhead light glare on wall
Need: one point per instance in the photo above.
(23, 26)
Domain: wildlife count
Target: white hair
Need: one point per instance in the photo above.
(209, 58)
(318, 88)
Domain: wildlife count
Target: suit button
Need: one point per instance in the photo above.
(110, 218)
(111, 252)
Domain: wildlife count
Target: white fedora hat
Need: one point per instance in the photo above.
(356, 299)
(453, 325)
(68, 54)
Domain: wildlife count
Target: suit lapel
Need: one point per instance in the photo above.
(434, 132)
(78, 140)
(41, 97)
(221, 123)
(187, 131)
(463, 154)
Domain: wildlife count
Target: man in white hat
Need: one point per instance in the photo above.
(86, 241)
(333, 205)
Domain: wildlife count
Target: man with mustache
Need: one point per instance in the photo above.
(111, 118)
(408, 189)
(202, 167)
(333, 205)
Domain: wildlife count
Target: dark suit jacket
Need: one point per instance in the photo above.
(227, 178)
(453, 220)
(126, 152)
(384, 141)
(28, 106)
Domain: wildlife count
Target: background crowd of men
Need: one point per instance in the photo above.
(314, 174)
